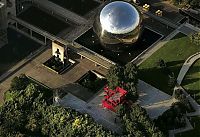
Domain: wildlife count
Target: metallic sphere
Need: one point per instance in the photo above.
(118, 24)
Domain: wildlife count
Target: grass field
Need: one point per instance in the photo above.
(192, 133)
(191, 81)
(174, 53)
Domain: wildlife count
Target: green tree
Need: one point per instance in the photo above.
(195, 38)
(29, 114)
(19, 83)
(125, 77)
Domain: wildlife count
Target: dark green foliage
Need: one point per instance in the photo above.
(192, 3)
(19, 83)
(137, 123)
(172, 118)
(195, 38)
(92, 82)
(181, 97)
(125, 77)
(195, 3)
(134, 118)
(29, 114)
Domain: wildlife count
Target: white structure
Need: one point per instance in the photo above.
(3, 24)
(58, 50)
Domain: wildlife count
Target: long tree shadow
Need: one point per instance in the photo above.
(190, 81)
(195, 94)
(156, 77)
(173, 63)
(194, 69)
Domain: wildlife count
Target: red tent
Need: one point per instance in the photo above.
(113, 98)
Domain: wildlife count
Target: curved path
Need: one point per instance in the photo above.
(186, 66)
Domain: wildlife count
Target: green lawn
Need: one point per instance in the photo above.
(192, 133)
(175, 52)
(191, 81)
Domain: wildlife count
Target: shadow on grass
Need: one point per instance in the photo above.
(179, 36)
(194, 69)
(195, 94)
(174, 63)
(156, 77)
(190, 81)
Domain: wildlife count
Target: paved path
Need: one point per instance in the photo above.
(153, 100)
(100, 115)
(188, 29)
(186, 66)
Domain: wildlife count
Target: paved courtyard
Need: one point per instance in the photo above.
(94, 109)
(35, 70)
(153, 100)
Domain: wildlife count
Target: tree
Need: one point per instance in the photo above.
(19, 83)
(30, 114)
(113, 76)
(195, 3)
(171, 81)
(137, 123)
(161, 63)
(125, 77)
(195, 38)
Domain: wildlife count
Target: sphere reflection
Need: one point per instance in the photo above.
(118, 25)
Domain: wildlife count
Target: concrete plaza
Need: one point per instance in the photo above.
(37, 71)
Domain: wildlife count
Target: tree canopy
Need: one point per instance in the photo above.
(137, 123)
(195, 38)
(28, 112)
(125, 77)
(192, 3)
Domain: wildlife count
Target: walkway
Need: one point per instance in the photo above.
(153, 100)
(100, 115)
(187, 64)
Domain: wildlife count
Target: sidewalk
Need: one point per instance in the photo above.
(153, 100)
(186, 66)
(100, 115)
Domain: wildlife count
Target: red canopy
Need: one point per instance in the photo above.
(113, 98)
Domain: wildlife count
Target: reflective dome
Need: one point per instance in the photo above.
(119, 17)
(118, 25)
